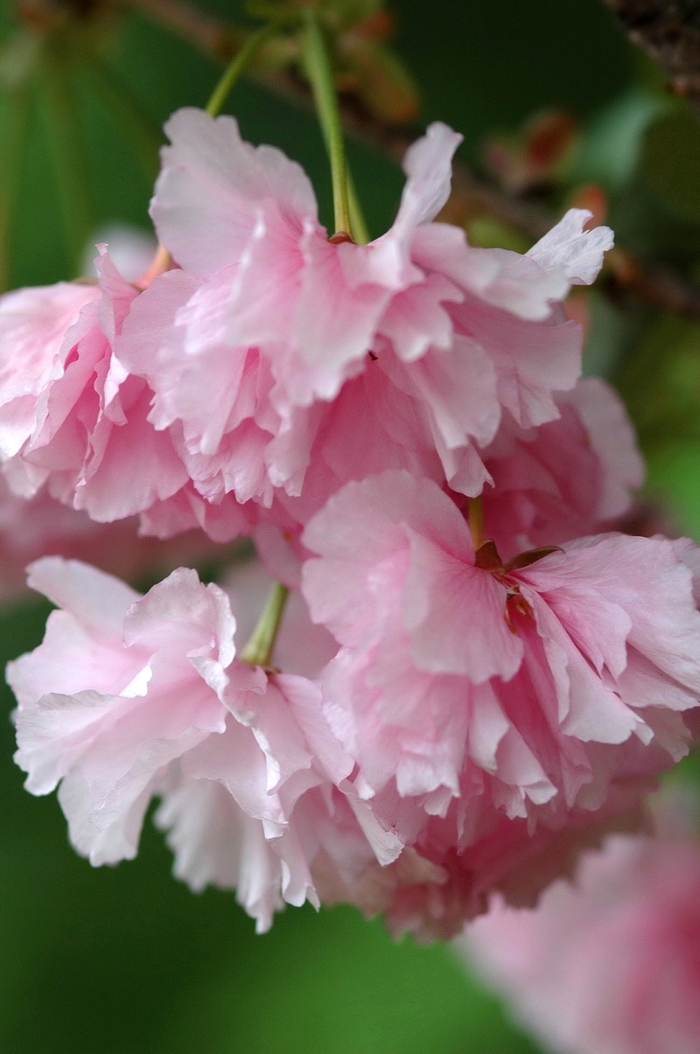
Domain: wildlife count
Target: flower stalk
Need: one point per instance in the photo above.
(258, 650)
(318, 70)
(238, 66)
(357, 219)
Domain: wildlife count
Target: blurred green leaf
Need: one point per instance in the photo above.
(612, 142)
(673, 476)
(489, 233)
(671, 160)
(688, 769)
(608, 332)
(660, 382)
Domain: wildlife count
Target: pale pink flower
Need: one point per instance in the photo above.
(610, 964)
(70, 415)
(271, 320)
(467, 690)
(130, 697)
(186, 510)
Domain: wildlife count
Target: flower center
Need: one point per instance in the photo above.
(487, 558)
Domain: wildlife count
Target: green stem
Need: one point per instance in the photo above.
(320, 76)
(72, 176)
(258, 650)
(238, 66)
(359, 226)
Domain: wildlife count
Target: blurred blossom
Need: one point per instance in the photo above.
(42, 526)
(537, 154)
(130, 248)
(608, 964)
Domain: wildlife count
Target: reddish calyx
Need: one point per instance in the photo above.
(487, 558)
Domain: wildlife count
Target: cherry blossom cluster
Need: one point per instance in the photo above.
(475, 674)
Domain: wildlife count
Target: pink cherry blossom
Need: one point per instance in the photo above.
(609, 965)
(130, 697)
(186, 510)
(468, 690)
(251, 342)
(70, 415)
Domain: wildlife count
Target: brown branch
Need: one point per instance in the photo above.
(652, 283)
(471, 195)
(669, 31)
(209, 34)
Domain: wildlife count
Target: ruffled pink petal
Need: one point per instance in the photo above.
(34, 325)
(566, 478)
(612, 437)
(571, 249)
(213, 186)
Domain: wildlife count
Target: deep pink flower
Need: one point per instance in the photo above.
(447, 876)
(469, 690)
(611, 964)
(133, 696)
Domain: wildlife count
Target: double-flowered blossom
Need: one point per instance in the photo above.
(609, 964)
(472, 691)
(270, 341)
(229, 385)
(130, 697)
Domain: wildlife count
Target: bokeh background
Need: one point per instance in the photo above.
(126, 960)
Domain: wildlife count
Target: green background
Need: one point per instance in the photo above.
(126, 960)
